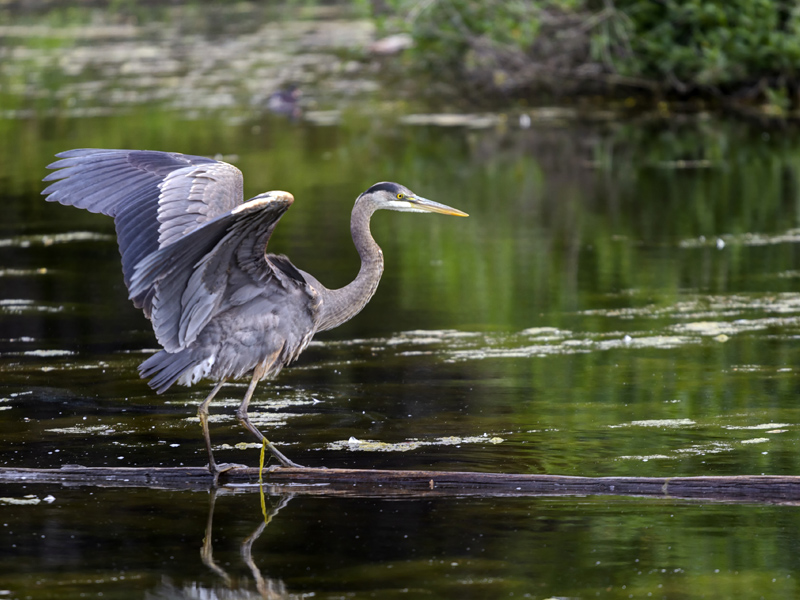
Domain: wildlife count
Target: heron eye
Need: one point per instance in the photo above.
(400, 195)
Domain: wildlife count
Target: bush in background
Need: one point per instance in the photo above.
(735, 48)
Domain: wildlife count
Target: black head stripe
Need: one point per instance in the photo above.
(384, 186)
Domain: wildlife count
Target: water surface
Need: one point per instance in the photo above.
(622, 301)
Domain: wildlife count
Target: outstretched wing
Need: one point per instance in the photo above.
(154, 197)
(220, 264)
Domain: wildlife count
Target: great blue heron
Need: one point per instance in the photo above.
(194, 260)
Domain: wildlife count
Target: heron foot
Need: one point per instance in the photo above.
(222, 467)
(216, 469)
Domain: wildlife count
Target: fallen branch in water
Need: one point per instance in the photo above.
(367, 482)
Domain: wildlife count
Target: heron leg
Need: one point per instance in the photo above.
(244, 419)
(202, 413)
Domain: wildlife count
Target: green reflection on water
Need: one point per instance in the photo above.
(89, 542)
(548, 246)
(621, 301)
(595, 285)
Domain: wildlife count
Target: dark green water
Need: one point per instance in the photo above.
(621, 301)
(147, 544)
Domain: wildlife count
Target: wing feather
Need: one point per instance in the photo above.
(192, 195)
(154, 197)
(188, 279)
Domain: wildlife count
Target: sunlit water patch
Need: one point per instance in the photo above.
(83, 430)
(472, 121)
(23, 272)
(27, 241)
(705, 307)
(792, 236)
(48, 353)
(27, 500)
(777, 427)
(539, 342)
(76, 364)
(700, 319)
(19, 306)
(703, 449)
(658, 423)
(271, 410)
(356, 445)
(708, 447)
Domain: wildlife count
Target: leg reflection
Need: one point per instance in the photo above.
(267, 588)
(207, 551)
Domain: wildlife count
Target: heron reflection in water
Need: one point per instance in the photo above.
(266, 588)
(194, 260)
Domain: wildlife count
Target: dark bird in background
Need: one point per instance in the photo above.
(286, 102)
(194, 259)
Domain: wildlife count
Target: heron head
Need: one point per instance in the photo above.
(393, 196)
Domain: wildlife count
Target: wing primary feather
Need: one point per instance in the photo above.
(189, 278)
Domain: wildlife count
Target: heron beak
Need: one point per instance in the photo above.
(425, 205)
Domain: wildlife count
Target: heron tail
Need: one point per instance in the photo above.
(165, 368)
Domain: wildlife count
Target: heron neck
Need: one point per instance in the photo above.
(343, 304)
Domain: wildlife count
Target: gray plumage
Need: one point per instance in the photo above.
(194, 260)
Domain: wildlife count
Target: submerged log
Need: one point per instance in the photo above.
(379, 483)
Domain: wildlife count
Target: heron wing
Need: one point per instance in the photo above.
(190, 280)
(154, 197)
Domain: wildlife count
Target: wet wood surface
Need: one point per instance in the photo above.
(388, 483)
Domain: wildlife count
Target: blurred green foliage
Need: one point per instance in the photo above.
(444, 30)
(706, 42)
(678, 45)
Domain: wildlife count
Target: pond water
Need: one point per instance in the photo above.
(621, 301)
